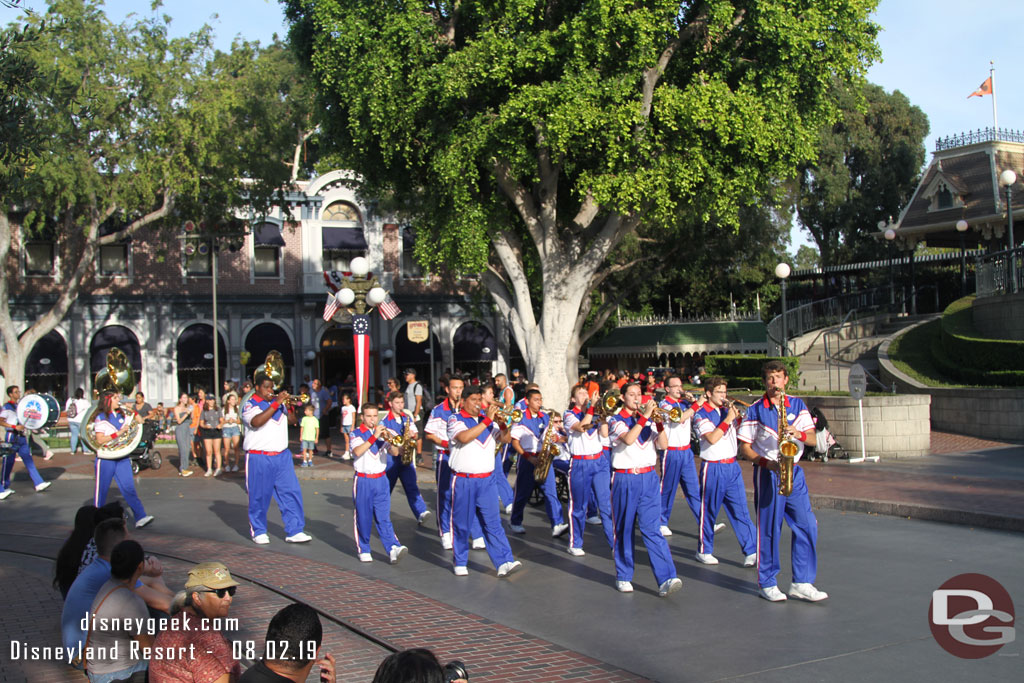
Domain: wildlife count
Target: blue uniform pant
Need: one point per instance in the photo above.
(796, 510)
(273, 476)
(372, 500)
(588, 482)
(475, 500)
(677, 467)
(121, 472)
(407, 474)
(635, 501)
(444, 501)
(525, 484)
(722, 483)
(500, 474)
(21, 443)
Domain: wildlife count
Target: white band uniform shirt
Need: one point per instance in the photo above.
(638, 454)
(678, 432)
(477, 456)
(760, 426)
(589, 479)
(371, 495)
(373, 461)
(678, 466)
(587, 442)
(272, 437)
(706, 420)
(269, 471)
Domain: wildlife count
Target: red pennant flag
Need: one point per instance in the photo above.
(983, 89)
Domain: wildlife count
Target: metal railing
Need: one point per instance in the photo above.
(825, 312)
(992, 272)
(976, 136)
(832, 358)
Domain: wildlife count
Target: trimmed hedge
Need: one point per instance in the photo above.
(745, 370)
(967, 354)
(974, 376)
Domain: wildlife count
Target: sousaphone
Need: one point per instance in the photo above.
(117, 376)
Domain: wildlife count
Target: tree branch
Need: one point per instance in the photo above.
(523, 202)
(138, 224)
(507, 248)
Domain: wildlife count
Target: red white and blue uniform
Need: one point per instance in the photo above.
(19, 443)
(473, 492)
(589, 479)
(760, 429)
(530, 433)
(677, 465)
(371, 495)
(635, 499)
(119, 470)
(407, 473)
(721, 482)
(269, 471)
(437, 426)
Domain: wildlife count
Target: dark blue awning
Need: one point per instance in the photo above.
(344, 239)
(268, 235)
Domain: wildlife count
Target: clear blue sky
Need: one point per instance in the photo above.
(935, 52)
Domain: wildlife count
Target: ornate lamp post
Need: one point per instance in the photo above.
(1007, 178)
(782, 272)
(961, 228)
(890, 235)
(360, 292)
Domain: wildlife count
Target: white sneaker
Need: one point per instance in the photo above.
(596, 519)
(772, 594)
(45, 485)
(397, 553)
(719, 527)
(262, 539)
(234, 468)
(144, 521)
(217, 472)
(209, 473)
(5, 493)
(479, 544)
(509, 567)
(516, 528)
(301, 537)
(750, 560)
(669, 587)
(446, 541)
(624, 586)
(665, 531)
(508, 509)
(186, 473)
(706, 558)
(365, 557)
(576, 552)
(558, 530)
(807, 591)
(346, 456)
(461, 571)
(424, 516)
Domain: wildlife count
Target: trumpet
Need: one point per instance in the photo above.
(295, 401)
(662, 415)
(508, 416)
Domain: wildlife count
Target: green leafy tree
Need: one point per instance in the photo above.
(806, 258)
(527, 139)
(867, 166)
(129, 128)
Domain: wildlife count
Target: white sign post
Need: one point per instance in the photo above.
(858, 384)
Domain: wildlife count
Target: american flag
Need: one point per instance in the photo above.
(331, 308)
(388, 308)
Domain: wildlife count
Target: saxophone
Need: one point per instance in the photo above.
(408, 445)
(545, 456)
(787, 451)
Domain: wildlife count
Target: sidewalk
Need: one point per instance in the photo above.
(965, 480)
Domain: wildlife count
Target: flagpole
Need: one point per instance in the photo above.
(992, 77)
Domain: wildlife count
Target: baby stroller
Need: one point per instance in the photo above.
(145, 454)
(826, 445)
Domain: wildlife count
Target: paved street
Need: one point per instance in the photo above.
(560, 618)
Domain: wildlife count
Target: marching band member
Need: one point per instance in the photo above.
(437, 433)
(15, 436)
(269, 471)
(371, 495)
(473, 436)
(677, 464)
(759, 442)
(397, 421)
(504, 395)
(635, 493)
(527, 440)
(109, 424)
(588, 476)
(721, 480)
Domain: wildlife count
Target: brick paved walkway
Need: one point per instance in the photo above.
(396, 615)
(947, 442)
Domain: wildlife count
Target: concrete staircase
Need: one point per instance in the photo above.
(858, 342)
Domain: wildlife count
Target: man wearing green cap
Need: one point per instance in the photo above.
(193, 649)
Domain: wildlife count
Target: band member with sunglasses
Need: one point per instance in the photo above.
(205, 602)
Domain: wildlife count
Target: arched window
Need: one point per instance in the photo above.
(342, 234)
(341, 211)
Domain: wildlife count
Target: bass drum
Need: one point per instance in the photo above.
(38, 411)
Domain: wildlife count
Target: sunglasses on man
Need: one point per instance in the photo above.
(221, 592)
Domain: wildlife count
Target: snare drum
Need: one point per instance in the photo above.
(38, 411)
